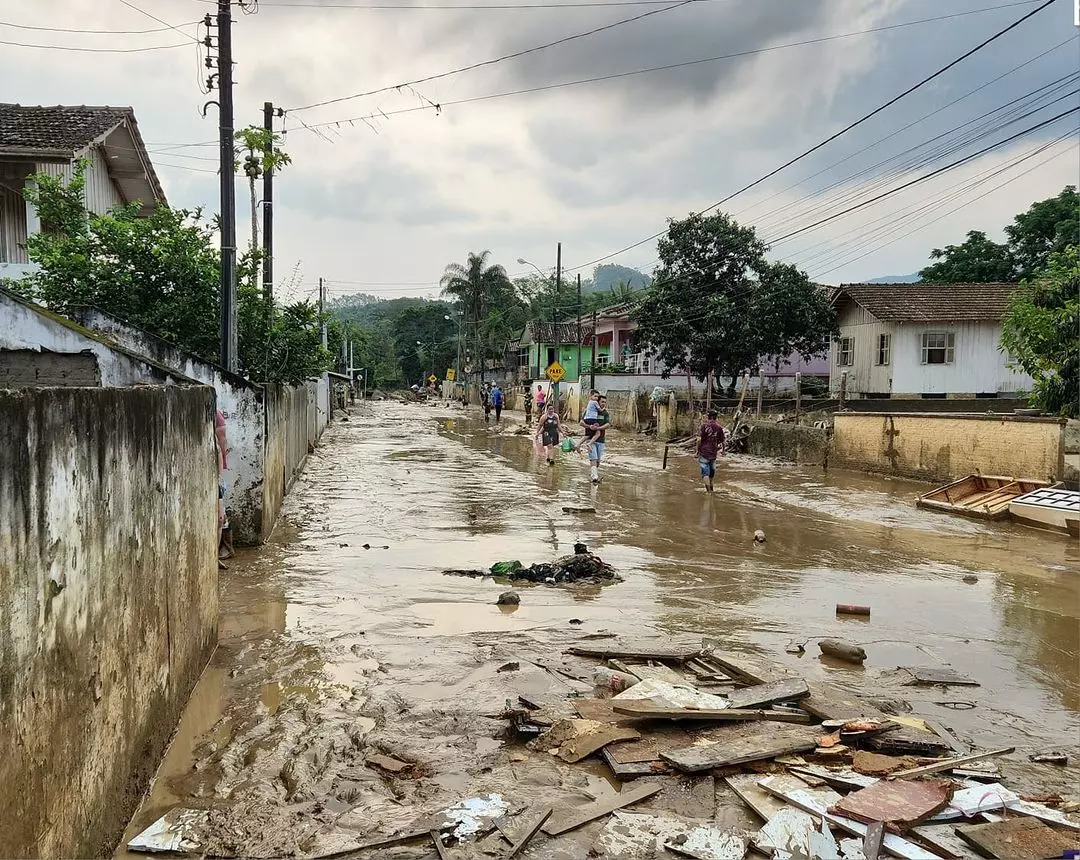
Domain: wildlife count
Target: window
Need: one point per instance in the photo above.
(884, 344)
(938, 347)
(845, 352)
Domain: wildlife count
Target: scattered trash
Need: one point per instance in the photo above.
(582, 566)
(512, 666)
(578, 509)
(1050, 757)
(842, 650)
(508, 598)
(795, 647)
(616, 682)
(176, 832)
(851, 609)
(945, 677)
(759, 536)
(576, 621)
(957, 706)
(573, 740)
(472, 816)
(971, 578)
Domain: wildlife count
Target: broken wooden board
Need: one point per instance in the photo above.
(872, 841)
(696, 759)
(643, 750)
(787, 689)
(647, 671)
(529, 833)
(746, 788)
(644, 710)
(573, 819)
(875, 764)
(1017, 839)
(1044, 813)
(950, 763)
(746, 670)
(585, 745)
(630, 834)
(942, 839)
(893, 844)
(600, 710)
(899, 802)
(440, 849)
(929, 676)
(578, 509)
(846, 780)
(625, 771)
(788, 832)
(620, 652)
(387, 763)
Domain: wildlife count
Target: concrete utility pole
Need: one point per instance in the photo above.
(322, 312)
(555, 315)
(579, 335)
(592, 364)
(268, 206)
(228, 188)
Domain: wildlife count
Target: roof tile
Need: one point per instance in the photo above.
(61, 127)
(931, 302)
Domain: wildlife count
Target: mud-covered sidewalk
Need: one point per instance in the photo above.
(357, 689)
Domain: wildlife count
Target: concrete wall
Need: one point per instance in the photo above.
(942, 447)
(108, 602)
(28, 368)
(239, 400)
(801, 444)
(25, 326)
(293, 425)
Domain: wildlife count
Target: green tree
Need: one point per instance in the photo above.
(478, 287)
(264, 153)
(1041, 331)
(162, 273)
(978, 260)
(1048, 227)
(718, 306)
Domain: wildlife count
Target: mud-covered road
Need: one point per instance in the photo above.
(332, 650)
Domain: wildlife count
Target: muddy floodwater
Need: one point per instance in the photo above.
(342, 638)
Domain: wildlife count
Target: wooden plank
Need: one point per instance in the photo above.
(527, 836)
(605, 652)
(765, 694)
(746, 788)
(932, 676)
(440, 849)
(643, 710)
(646, 672)
(585, 745)
(875, 835)
(407, 836)
(950, 763)
(947, 736)
(754, 748)
(746, 669)
(635, 753)
(1017, 839)
(583, 815)
(625, 771)
(599, 710)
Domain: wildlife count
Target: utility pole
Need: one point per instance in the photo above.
(555, 316)
(228, 188)
(579, 335)
(322, 312)
(268, 207)
(592, 364)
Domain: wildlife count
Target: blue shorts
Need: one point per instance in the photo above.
(708, 467)
(596, 451)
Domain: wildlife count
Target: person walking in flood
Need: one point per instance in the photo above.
(710, 441)
(485, 399)
(599, 429)
(547, 431)
(528, 404)
(540, 399)
(497, 401)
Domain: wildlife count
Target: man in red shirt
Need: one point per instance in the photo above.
(710, 440)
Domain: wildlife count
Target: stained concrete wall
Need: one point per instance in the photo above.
(28, 368)
(806, 445)
(942, 447)
(294, 423)
(108, 602)
(239, 400)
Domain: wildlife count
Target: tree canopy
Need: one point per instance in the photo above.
(162, 273)
(1047, 227)
(1041, 331)
(717, 305)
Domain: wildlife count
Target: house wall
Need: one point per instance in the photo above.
(23, 327)
(240, 401)
(12, 218)
(864, 375)
(980, 366)
(106, 620)
(941, 447)
(101, 193)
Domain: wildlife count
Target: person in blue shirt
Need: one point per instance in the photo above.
(588, 421)
(497, 401)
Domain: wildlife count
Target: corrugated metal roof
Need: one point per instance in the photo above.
(930, 302)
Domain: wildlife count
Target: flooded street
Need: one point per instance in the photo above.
(342, 638)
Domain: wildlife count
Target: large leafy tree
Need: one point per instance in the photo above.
(1047, 227)
(478, 288)
(717, 305)
(978, 260)
(1042, 333)
(425, 341)
(161, 273)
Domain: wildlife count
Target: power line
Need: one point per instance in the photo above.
(842, 131)
(152, 17)
(927, 176)
(96, 32)
(501, 59)
(649, 70)
(95, 50)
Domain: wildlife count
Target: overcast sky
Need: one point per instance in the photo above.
(386, 202)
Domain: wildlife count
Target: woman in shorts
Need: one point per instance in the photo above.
(547, 431)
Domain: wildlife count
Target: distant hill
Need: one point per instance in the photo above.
(607, 276)
(896, 279)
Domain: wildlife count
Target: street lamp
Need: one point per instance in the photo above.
(554, 306)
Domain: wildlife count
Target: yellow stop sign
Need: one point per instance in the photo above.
(555, 371)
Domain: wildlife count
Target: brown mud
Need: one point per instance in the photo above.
(331, 653)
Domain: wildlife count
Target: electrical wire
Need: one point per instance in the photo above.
(481, 6)
(153, 17)
(843, 131)
(96, 32)
(95, 50)
(495, 60)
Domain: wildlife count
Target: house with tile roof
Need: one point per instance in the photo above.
(930, 341)
(51, 140)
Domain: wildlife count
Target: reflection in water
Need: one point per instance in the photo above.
(321, 638)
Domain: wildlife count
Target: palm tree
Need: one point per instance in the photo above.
(477, 287)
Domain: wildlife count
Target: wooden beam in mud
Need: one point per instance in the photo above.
(576, 818)
(605, 652)
(527, 836)
(643, 710)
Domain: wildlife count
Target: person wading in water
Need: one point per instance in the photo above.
(547, 430)
(710, 440)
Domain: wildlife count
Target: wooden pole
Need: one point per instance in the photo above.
(708, 392)
(760, 388)
(745, 386)
(843, 388)
(798, 396)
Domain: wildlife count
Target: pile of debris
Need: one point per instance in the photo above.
(581, 567)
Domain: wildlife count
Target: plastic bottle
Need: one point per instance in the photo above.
(609, 679)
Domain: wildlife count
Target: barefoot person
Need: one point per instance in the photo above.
(596, 449)
(710, 440)
(547, 431)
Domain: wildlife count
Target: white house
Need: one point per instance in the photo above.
(923, 341)
(50, 140)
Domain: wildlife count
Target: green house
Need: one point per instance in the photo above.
(536, 348)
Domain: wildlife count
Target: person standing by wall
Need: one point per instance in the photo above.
(599, 429)
(710, 440)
